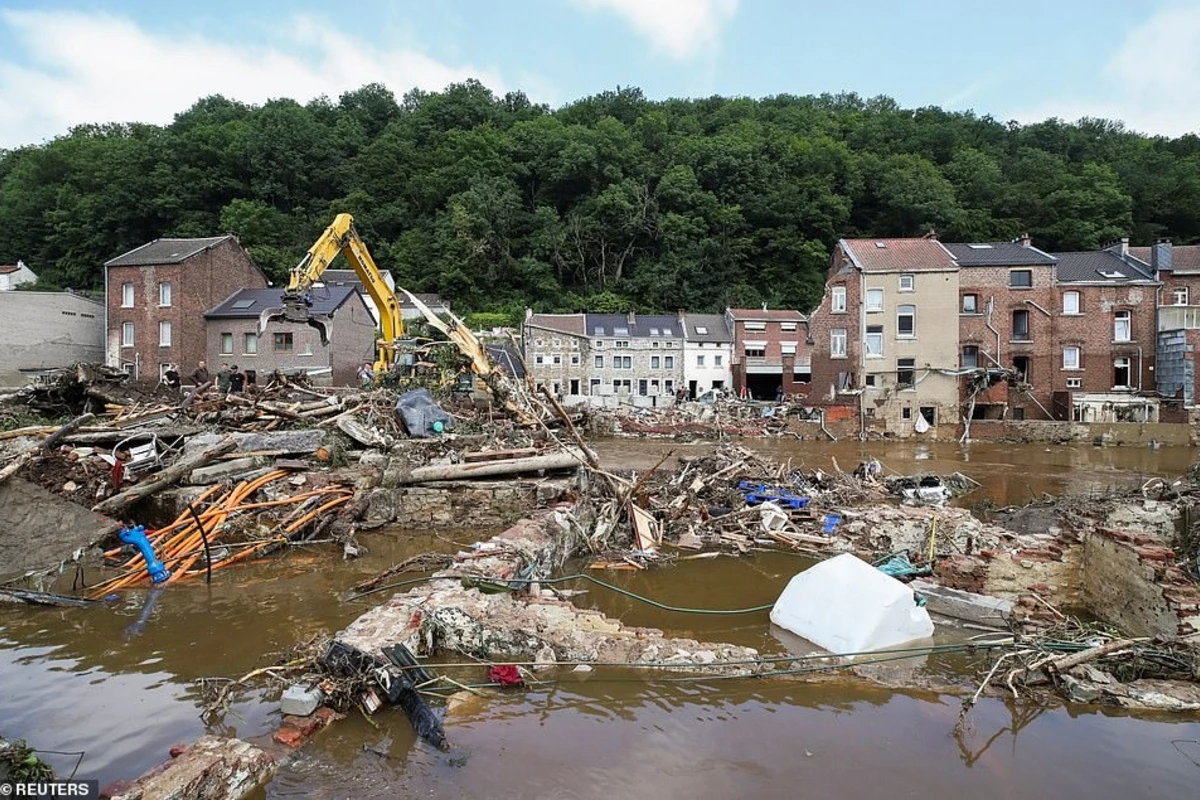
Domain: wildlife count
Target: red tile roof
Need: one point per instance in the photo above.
(1183, 256)
(767, 314)
(898, 255)
(8, 269)
(564, 323)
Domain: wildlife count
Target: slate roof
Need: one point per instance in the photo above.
(433, 301)
(1097, 266)
(716, 329)
(644, 326)
(165, 251)
(563, 323)
(506, 358)
(250, 303)
(997, 254)
(766, 315)
(898, 255)
(1184, 258)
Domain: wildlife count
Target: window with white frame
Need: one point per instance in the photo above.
(837, 343)
(1180, 295)
(655, 362)
(837, 300)
(226, 344)
(873, 344)
(1071, 302)
(754, 325)
(756, 349)
(1071, 357)
(599, 362)
(700, 360)
(164, 293)
(164, 334)
(126, 295)
(538, 359)
(906, 322)
(1074, 383)
(249, 344)
(787, 326)
(874, 299)
(126, 334)
(668, 362)
(575, 359)
(787, 348)
(970, 304)
(908, 283)
(1122, 326)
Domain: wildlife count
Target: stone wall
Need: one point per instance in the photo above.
(1107, 433)
(464, 504)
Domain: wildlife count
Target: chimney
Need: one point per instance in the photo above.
(528, 313)
(764, 306)
(631, 318)
(1025, 240)
(1124, 247)
(1161, 257)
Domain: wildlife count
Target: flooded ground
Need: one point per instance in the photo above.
(1010, 473)
(119, 683)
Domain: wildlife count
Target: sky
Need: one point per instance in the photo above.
(68, 63)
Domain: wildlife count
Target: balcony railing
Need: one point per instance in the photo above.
(1173, 318)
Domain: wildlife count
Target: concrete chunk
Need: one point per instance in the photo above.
(981, 609)
(215, 473)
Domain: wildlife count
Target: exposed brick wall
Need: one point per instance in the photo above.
(992, 288)
(1092, 331)
(823, 321)
(197, 284)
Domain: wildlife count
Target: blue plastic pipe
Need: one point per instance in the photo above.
(136, 536)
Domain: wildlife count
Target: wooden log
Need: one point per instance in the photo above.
(499, 455)
(54, 438)
(168, 477)
(564, 459)
(1060, 665)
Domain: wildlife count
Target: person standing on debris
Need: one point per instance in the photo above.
(779, 393)
(237, 381)
(366, 375)
(200, 375)
(171, 377)
(223, 379)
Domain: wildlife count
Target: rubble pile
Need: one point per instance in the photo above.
(714, 420)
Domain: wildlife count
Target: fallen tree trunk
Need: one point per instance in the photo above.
(166, 478)
(565, 459)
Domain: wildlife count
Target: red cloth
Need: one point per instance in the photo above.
(118, 474)
(505, 675)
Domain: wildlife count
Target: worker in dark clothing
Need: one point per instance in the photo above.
(237, 381)
(171, 378)
(200, 375)
(223, 379)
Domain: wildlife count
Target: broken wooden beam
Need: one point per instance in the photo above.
(563, 459)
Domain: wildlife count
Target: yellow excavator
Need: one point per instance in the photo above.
(341, 237)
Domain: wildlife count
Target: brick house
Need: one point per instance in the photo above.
(156, 296)
(707, 352)
(1106, 335)
(1007, 315)
(770, 351)
(636, 358)
(232, 335)
(880, 336)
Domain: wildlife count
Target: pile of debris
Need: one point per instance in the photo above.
(711, 420)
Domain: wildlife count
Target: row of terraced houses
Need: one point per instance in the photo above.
(912, 334)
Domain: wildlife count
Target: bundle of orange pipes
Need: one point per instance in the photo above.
(180, 545)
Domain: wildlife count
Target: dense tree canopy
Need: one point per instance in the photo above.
(613, 201)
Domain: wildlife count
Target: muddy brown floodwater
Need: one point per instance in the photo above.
(118, 683)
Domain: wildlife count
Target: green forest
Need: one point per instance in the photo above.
(613, 202)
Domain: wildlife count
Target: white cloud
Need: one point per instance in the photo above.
(680, 28)
(85, 68)
(1151, 82)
